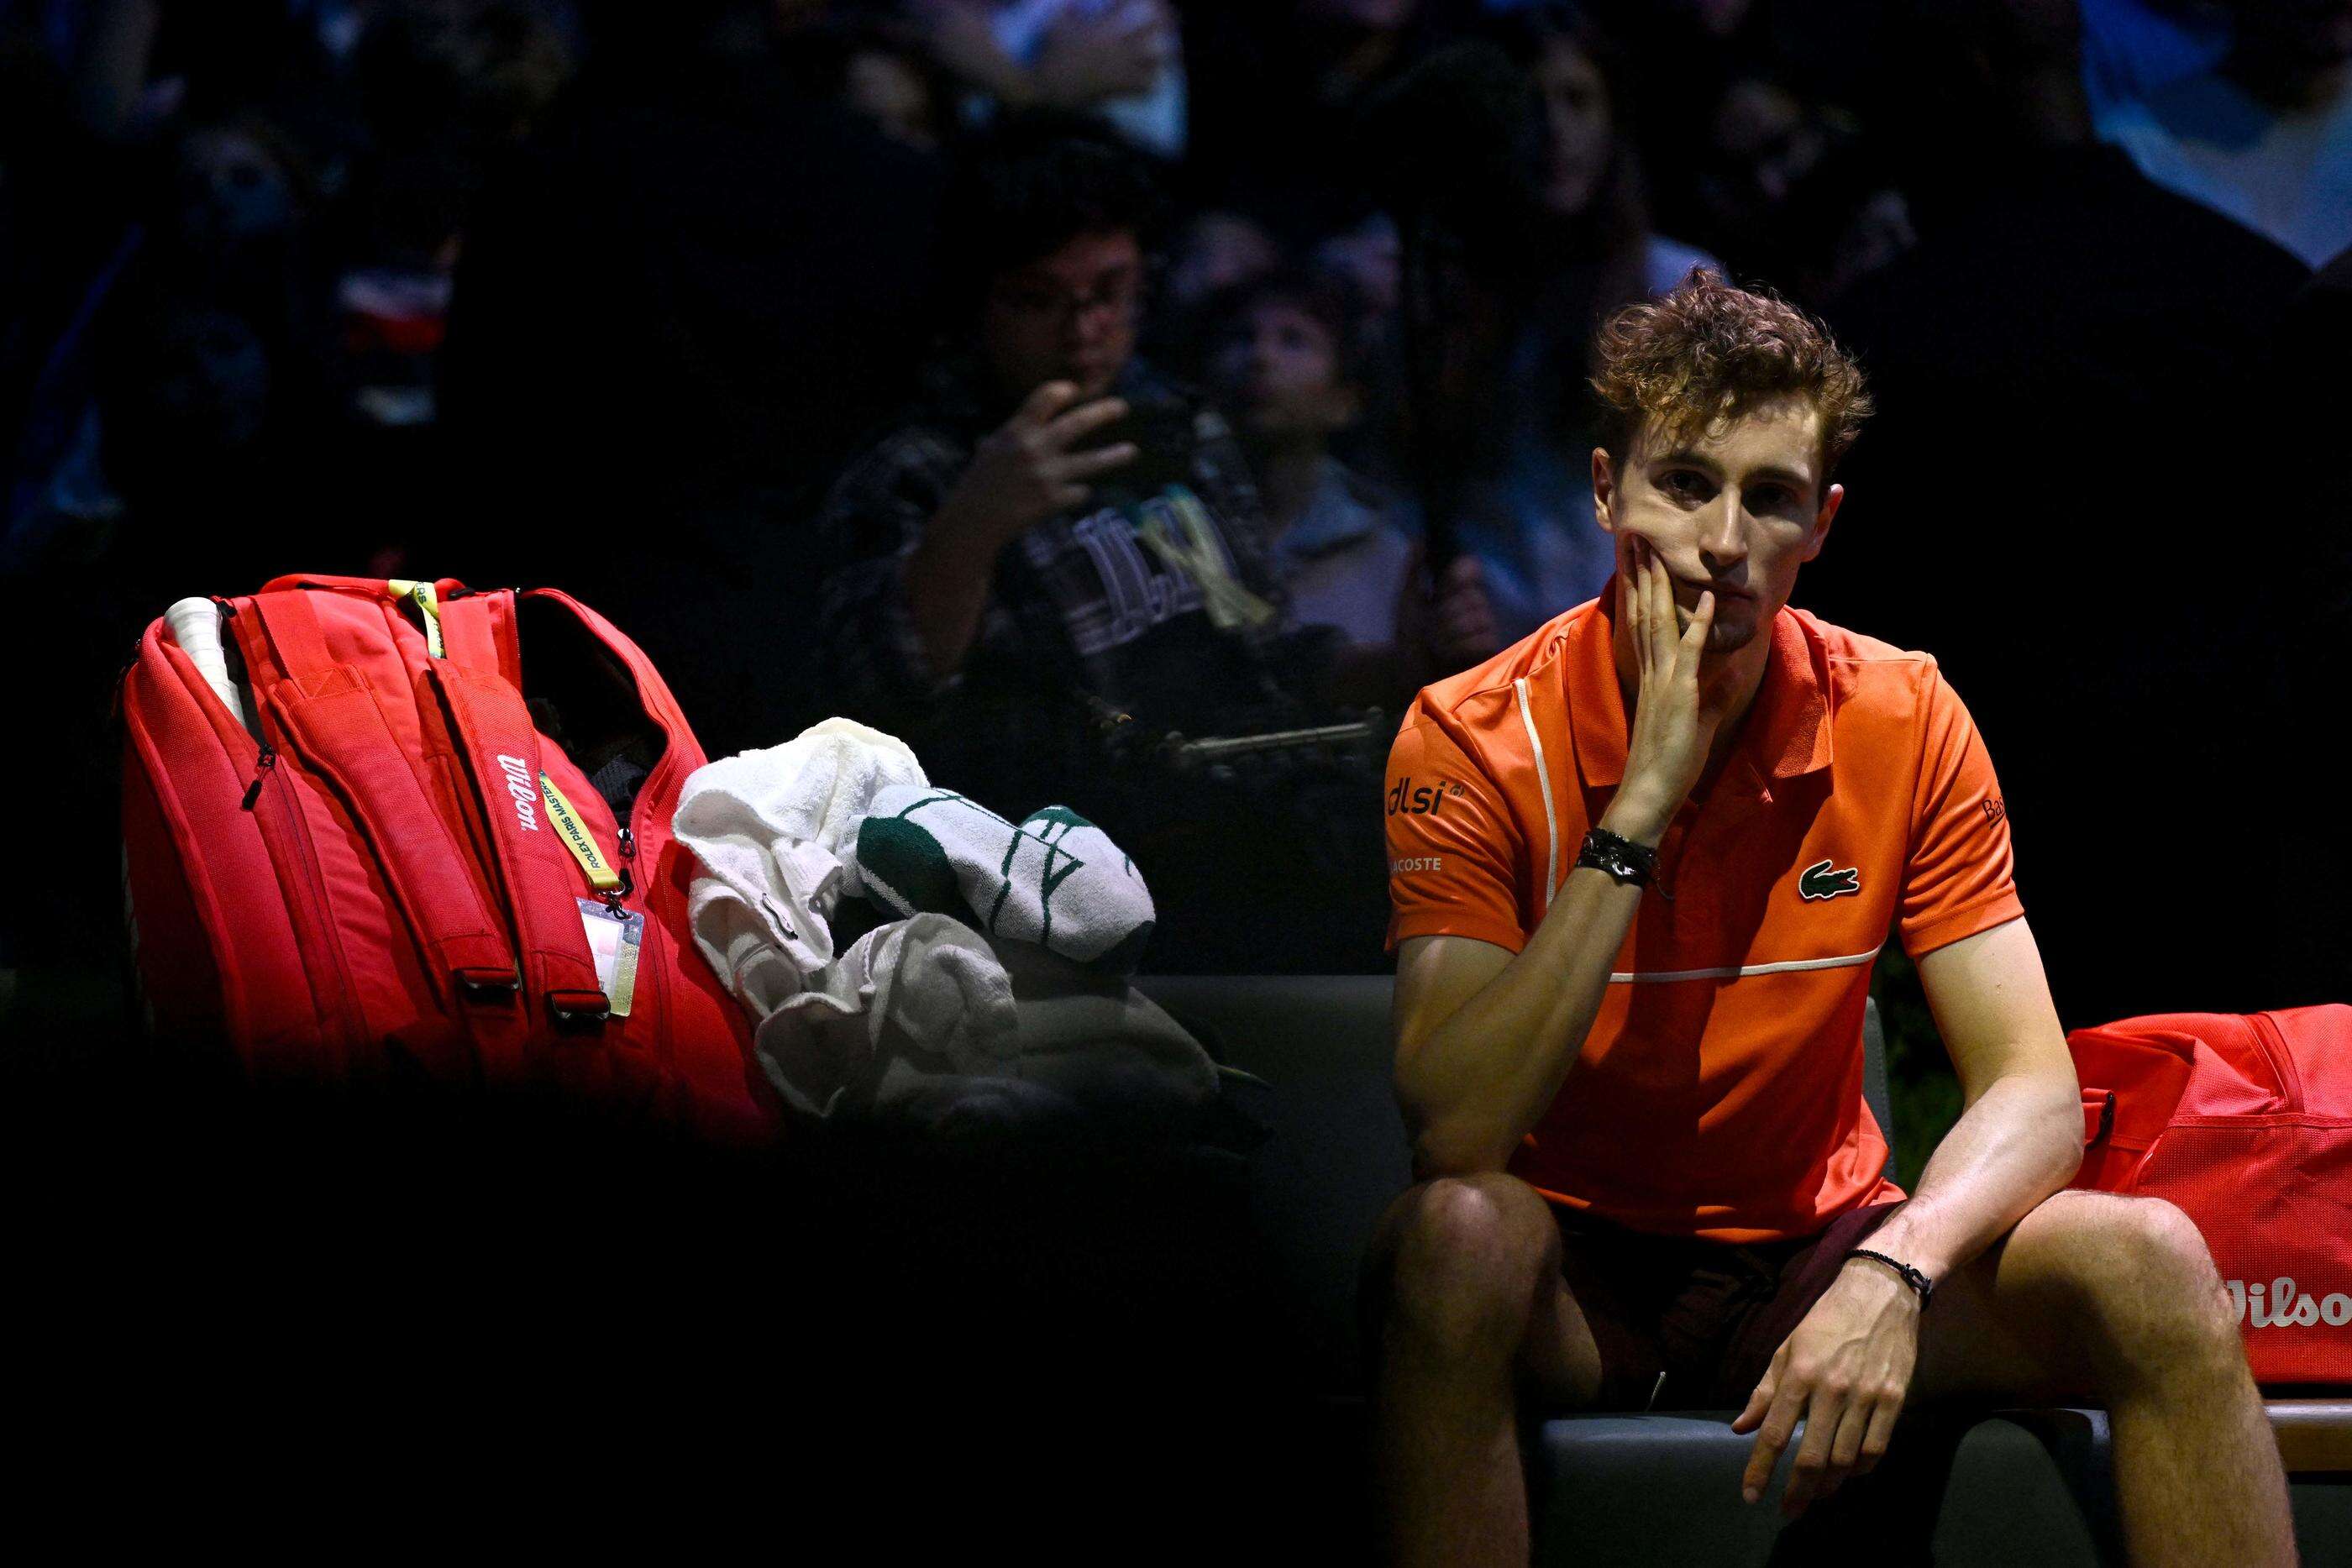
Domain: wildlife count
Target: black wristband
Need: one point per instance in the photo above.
(1911, 1277)
(1622, 857)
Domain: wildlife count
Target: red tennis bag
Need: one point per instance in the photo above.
(2245, 1122)
(391, 868)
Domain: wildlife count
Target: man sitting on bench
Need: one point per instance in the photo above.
(1642, 863)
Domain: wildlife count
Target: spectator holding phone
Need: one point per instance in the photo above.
(1057, 526)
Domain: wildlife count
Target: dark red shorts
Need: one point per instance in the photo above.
(1709, 1315)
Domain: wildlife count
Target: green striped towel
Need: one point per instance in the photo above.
(1053, 878)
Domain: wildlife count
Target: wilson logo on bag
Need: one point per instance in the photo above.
(2244, 1122)
(518, 786)
(2286, 1309)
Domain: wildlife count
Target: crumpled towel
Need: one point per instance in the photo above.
(776, 830)
(923, 997)
(923, 1023)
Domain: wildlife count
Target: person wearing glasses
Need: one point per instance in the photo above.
(1057, 530)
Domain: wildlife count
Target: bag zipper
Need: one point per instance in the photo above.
(2282, 1060)
(648, 967)
(265, 764)
(291, 822)
(628, 855)
(262, 763)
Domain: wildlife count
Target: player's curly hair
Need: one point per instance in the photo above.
(1707, 352)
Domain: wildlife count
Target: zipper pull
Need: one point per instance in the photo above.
(261, 767)
(629, 876)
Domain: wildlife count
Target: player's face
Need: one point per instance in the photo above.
(1734, 512)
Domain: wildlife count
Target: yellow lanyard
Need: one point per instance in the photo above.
(1199, 557)
(615, 943)
(579, 841)
(422, 595)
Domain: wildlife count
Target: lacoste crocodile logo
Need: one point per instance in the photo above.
(1818, 882)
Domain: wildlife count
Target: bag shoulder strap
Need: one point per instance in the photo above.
(479, 685)
(477, 633)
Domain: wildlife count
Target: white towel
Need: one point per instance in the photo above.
(919, 1022)
(775, 831)
(1053, 879)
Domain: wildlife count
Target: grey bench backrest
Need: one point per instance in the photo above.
(1338, 1155)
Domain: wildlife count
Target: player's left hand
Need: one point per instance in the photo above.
(1845, 1371)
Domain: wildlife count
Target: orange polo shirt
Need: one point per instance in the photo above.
(1720, 1092)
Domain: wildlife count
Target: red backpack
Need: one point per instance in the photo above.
(380, 885)
(2245, 1122)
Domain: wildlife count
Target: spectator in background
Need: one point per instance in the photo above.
(1056, 538)
(1593, 182)
(879, 68)
(1284, 357)
(1117, 59)
(2243, 105)
(1218, 250)
(1055, 525)
(1371, 255)
(1791, 190)
(2063, 340)
(1505, 422)
(1213, 253)
(446, 93)
(1761, 138)
(896, 90)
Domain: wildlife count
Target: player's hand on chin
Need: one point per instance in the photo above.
(1845, 1371)
(1673, 727)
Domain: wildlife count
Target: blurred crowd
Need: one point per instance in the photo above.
(1074, 385)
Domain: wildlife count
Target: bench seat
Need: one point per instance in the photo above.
(2003, 1488)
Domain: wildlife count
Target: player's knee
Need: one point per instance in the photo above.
(1468, 1253)
(2152, 1296)
(2182, 1306)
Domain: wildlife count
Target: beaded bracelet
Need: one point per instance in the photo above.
(1911, 1277)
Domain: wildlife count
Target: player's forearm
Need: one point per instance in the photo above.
(1483, 1079)
(2020, 1142)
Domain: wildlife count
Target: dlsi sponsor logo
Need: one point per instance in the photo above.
(1426, 801)
(2279, 1306)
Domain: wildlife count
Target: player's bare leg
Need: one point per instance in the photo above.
(2115, 1300)
(1473, 1309)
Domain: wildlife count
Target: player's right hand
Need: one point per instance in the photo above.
(1026, 471)
(1674, 728)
